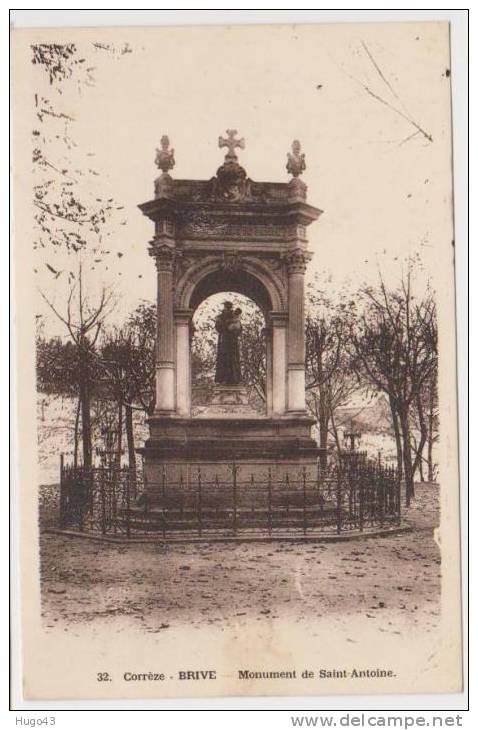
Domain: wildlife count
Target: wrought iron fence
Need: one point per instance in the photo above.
(350, 495)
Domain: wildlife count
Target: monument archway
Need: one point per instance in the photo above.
(250, 398)
(230, 233)
(251, 280)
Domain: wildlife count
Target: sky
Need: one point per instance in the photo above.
(384, 188)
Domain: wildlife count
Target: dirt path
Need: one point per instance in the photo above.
(394, 581)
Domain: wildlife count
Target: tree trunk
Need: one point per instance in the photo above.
(323, 431)
(398, 442)
(336, 435)
(130, 437)
(418, 461)
(420, 466)
(431, 475)
(76, 435)
(407, 456)
(431, 411)
(85, 411)
(120, 432)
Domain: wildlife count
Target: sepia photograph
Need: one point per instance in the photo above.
(238, 450)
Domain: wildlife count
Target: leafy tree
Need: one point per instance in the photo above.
(56, 366)
(57, 374)
(141, 329)
(127, 359)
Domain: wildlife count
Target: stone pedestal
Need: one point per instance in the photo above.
(225, 401)
(179, 447)
(229, 395)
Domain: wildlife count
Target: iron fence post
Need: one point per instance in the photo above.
(128, 475)
(388, 496)
(62, 492)
(269, 500)
(181, 489)
(216, 494)
(253, 510)
(339, 499)
(145, 493)
(287, 487)
(399, 495)
(134, 478)
(382, 484)
(90, 495)
(116, 476)
(163, 498)
(234, 497)
(80, 487)
(304, 498)
(199, 502)
(362, 496)
(103, 500)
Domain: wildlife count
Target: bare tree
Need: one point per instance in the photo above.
(395, 104)
(253, 350)
(71, 211)
(83, 322)
(433, 422)
(424, 416)
(394, 349)
(330, 381)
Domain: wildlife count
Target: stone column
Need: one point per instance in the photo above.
(182, 320)
(268, 341)
(165, 384)
(279, 362)
(296, 265)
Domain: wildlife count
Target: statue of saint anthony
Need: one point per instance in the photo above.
(228, 359)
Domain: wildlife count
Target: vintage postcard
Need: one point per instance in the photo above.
(236, 403)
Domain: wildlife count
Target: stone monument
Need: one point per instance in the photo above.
(229, 234)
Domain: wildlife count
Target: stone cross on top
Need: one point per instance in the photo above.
(230, 142)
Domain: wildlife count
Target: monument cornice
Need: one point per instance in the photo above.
(262, 208)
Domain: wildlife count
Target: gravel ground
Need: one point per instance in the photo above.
(394, 581)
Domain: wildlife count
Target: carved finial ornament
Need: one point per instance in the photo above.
(231, 143)
(164, 156)
(295, 160)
